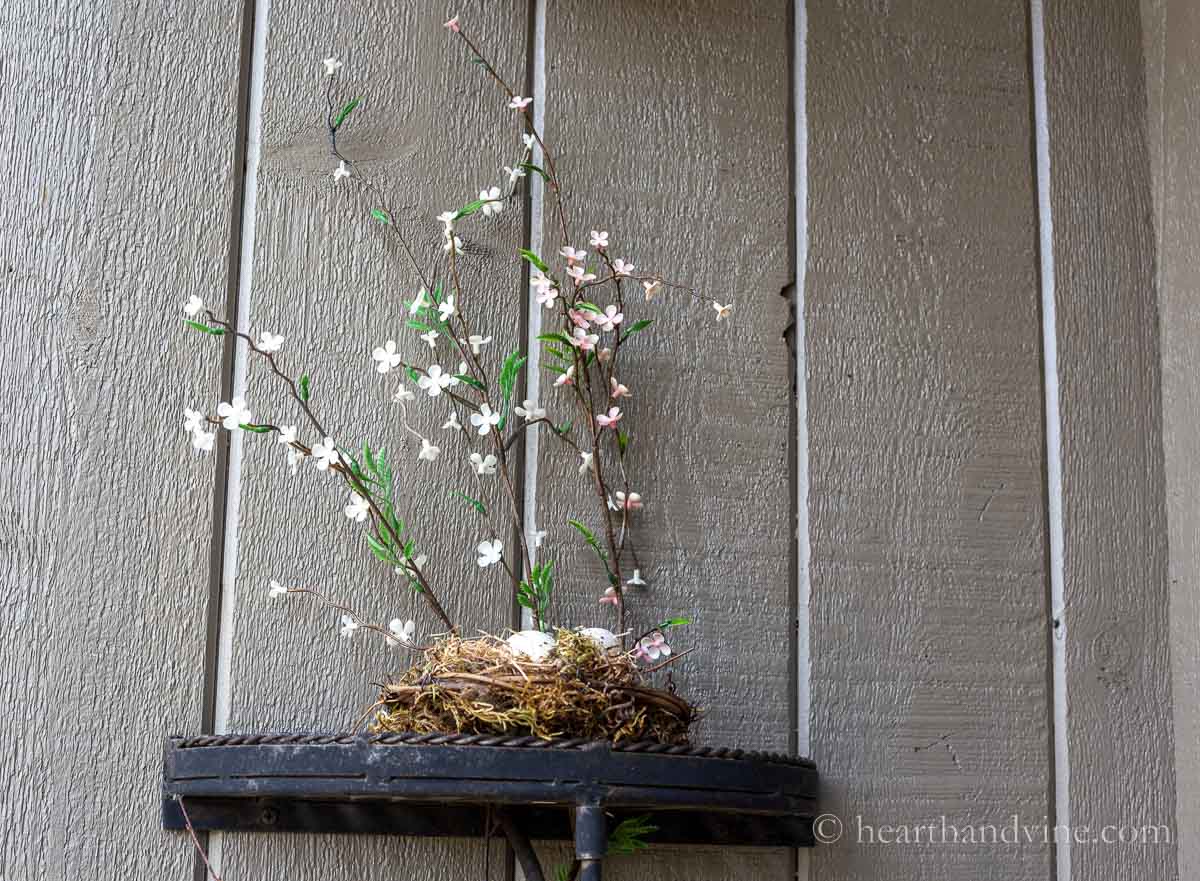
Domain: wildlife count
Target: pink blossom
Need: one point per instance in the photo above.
(519, 103)
(653, 287)
(567, 378)
(579, 319)
(653, 647)
(546, 296)
(452, 25)
(609, 419)
(632, 503)
(580, 274)
(572, 255)
(583, 340)
(611, 597)
(610, 319)
(604, 354)
(599, 239)
(617, 390)
(620, 267)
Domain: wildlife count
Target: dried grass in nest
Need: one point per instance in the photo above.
(477, 686)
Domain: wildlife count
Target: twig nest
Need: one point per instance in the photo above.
(606, 639)
(532, 644)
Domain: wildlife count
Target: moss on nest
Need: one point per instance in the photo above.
(478, 686)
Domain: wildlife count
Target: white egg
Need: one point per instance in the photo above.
(533, 644)
(606, 639)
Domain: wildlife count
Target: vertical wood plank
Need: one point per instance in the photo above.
(430, 133)
(116, 208)
(927, 498)
(1114, 519)
(672, 121)
(1179, 308)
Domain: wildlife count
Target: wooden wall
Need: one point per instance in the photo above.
(929, 496)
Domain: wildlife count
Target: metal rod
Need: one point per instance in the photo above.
(591, 840)
(519, 842)
(589, 870)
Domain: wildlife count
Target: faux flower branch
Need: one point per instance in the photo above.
(585, 293)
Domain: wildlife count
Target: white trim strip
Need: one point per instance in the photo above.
(1062, 768)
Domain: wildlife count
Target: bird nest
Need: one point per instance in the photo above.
(480, 686)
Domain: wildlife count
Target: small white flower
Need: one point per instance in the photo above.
(457, 244)
(491, 202)
(529, 141)
(431, 338)
(193, 307)
(341, 171)
(723, 312)
(193, 420)
(412, 565)
(530, 410)
(583, 340)
(270, 342)
(483, 466)
(276, 590)
(636, 580)
(387, 356)
(452, 423)
(420, 301)
(434, 380)
(203, 441)
(325, 454)
(599, 239)
(331, 66)
(567, 378)
(476, 342)
(485, 419)
(609, 419)
(446, 218)
(586, 464)
(610, 319)
(446, 308)
(235, 414)
(620, 267)
(349, 625)
(294, 457)
(546, 296)
(402, 631)
(537, 537)
(572, 255)
(287, 434)
(616, 389)
(514, 174)
(402, 394)
(653, 288)
(428, 451)
(358, 509)
(490, 553)
(519, 103)
(579, 274)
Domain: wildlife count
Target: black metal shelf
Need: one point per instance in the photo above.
(474, 785)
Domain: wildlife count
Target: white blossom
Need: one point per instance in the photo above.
(270, 342)
(203, 441)
(490, 553)
(419, 302)
(287, 434)
(537, 537)
(325, 454)
(572, 255)
(599, 239)
(193, 420)
(331, 66)
(358, 509)
(586, 463)
(519, 103)
(583, 340)
(485, 419)
(529, 141)
(446, 308)
(434, 380)
(457, 244)
(341, 171)
(235, 414)
(491, 202)
(476, 342)
(723, 312)
(402, 631)
(452, 424)
(637, 579)
(546, 296)
(631, 503)
(446, 218)
(193, 307)
(431, 338)
(428, 451)
(483, 465)
(609, 320)
(293, 458)
(387, 356)
(514, 174)
(530, 410)
(276, 590)
(402, 394)
(620, 267)
(653, 288)
(578, 273)
(349, 625)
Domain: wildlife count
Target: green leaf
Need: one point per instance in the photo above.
(382, 552)
(204, 328)
(622, 441)
(555, 368)
(674, 622)
(508, 376)
(382, 216)
(346, 110)
(257, 429)
(636, 327)
(564, 427)
(555, 351)
(469, 209)
(529, 166)
(629, 836)
(559, 337)
(533, 258)
(470, 380)
(418, 325)
(304, 391)
(585, 306)
(368, 458)
(473, 502)
(590, 538)
(413, 374)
